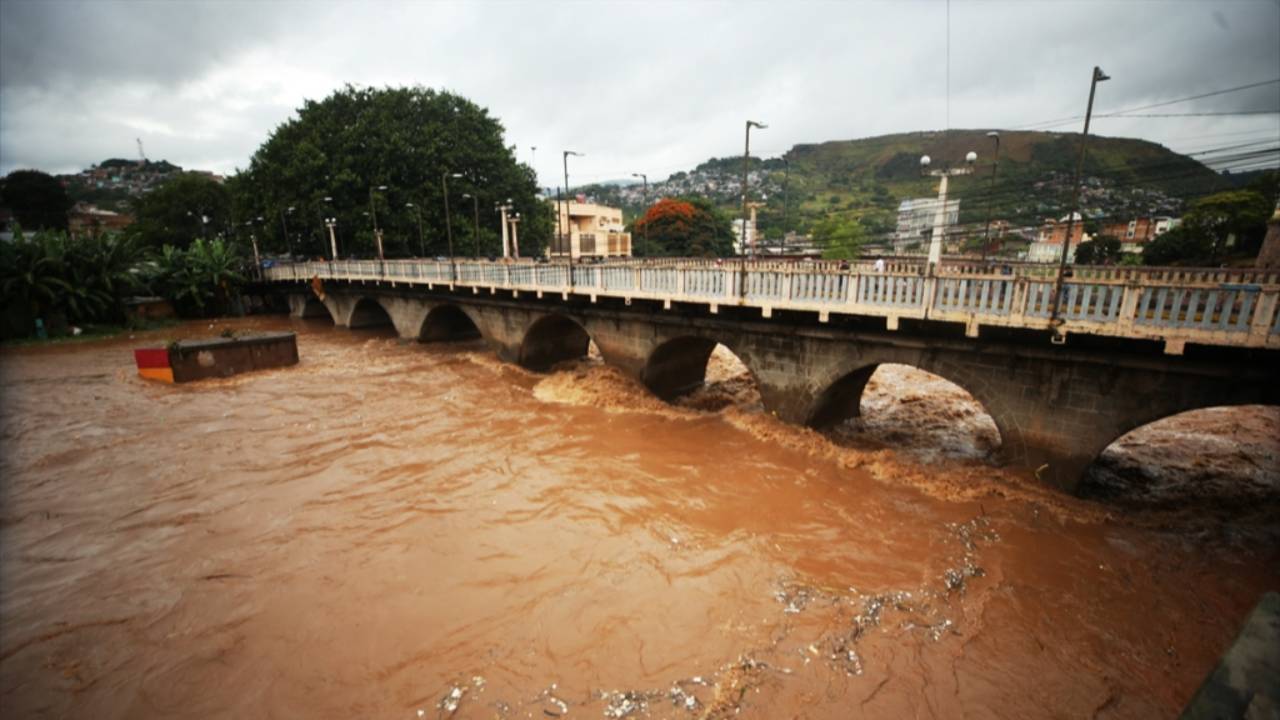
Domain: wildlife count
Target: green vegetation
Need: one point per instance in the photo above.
(65, 281)
(200, 281)
(406, 139)
(189, 205)
(82, 281)
(1216, 228)
(840, 238)
(1102, 250)
(37, 199)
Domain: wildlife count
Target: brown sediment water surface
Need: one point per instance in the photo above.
(401, 530)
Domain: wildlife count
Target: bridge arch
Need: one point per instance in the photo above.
(1227, 451)
(915, 400)
(553, 339)
(447, 323)
(681, 364)
(368, 312)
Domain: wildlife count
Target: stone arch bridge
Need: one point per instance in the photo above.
(1056, 406)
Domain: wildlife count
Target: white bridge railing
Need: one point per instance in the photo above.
(1236, 307)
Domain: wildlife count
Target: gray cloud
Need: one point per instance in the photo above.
(652, 87)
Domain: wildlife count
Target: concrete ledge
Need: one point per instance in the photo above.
(1246, 681)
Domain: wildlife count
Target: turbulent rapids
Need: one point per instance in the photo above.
(406, 530)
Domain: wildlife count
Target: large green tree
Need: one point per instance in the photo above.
(840, 238)
(1239, 215)
(684, 227)
(187, 207)
(37, 199)
(331, 160)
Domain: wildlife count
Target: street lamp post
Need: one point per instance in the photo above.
(422, 243)
(448, 224)
(373, 212)
(995, 168)
(567, 231)
(786, 202)
(475, 237)
(330, 222)
(1054, 321)
(940, 215)
(746, 166)
(285, 226)
(645, 179)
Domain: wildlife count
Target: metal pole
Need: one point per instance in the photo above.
(746, 160)
(786, 202)
(1054, 320)
(995, 168)
(285, 225)
(475, 240)
(645, 179)
(448, 226)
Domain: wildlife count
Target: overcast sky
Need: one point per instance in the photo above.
(637, 86)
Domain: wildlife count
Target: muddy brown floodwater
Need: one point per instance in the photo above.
(401, 531)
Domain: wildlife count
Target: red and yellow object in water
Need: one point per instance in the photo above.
(153, 364)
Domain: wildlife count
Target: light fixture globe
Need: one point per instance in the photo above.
(971, 157)
(925, 161)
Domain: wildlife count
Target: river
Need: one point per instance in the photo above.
(402, 531)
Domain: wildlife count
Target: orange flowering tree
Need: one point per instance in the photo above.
(683, 227)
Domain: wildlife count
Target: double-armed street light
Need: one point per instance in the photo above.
(940, 215)
(330, 223)
(515, 236)
(746, 167)
(645, 179)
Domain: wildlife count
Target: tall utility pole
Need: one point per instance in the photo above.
(746, 167)
(645, 179)
(331, 223)
(567, 153)
(515, 236)
(1054, 320)
(786, 202)
(995, 168)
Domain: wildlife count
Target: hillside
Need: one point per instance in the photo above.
(867, 178)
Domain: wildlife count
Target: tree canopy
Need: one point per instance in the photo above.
(185, 208)
(37, 199)
(1101, 250)
(333, 158)
(686, 227)
(840, 238)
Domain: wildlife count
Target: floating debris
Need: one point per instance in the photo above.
(552, 705)
(449, 703)
(624, 704)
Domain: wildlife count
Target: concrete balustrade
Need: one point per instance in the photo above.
(1228, 307)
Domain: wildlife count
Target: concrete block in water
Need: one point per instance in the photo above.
(189, 360)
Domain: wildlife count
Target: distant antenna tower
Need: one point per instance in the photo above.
(141, 155)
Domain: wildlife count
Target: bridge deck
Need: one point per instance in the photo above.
(1174, 305)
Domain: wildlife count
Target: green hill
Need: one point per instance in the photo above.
(867, 178)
